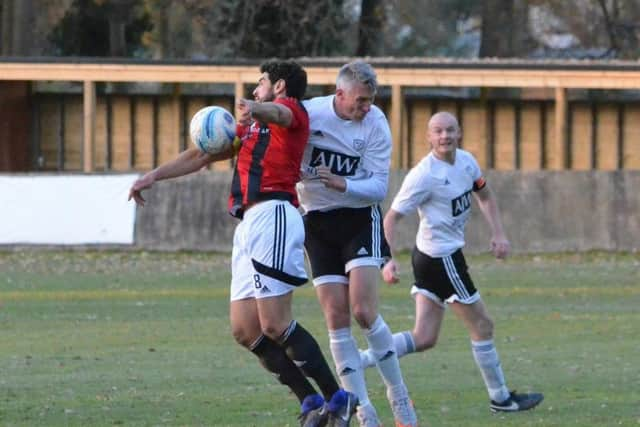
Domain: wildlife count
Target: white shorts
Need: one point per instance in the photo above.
(268, 251)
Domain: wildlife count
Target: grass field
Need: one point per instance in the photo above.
(142, 339)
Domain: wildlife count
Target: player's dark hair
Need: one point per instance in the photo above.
(291, 72)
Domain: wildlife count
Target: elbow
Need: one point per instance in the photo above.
(380, 195)
(381, 192)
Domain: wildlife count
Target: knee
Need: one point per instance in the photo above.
(241, 337)
(425, 342)
(337, 318)
(484, 329)
(273, 330)
(364, 315)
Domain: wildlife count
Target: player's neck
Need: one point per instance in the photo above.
(336, 110)
(449, 157)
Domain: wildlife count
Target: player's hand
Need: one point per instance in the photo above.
(390, 272)
(245, 107)
(330, 180)
(500, 247)
(135, 193)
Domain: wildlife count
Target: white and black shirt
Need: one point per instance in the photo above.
(441, 192)
(359, 151)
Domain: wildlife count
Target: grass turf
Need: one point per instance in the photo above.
(142, 339)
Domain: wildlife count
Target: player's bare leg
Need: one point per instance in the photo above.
(363, 291)
(480, 326)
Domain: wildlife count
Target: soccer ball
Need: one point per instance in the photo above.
(212, 129)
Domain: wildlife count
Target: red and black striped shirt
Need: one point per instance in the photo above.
(268, 163)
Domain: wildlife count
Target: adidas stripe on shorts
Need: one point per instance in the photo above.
(443, 279)
(342, 239)
(268, 251)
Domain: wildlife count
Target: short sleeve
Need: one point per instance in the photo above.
(476, 174)
(415, 189)
(296, 110)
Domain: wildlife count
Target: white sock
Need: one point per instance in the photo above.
(348, 365)
(382, 346)
(402, 341)
(487, 359)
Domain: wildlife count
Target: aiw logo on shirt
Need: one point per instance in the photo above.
(461, 204)
(339, 163)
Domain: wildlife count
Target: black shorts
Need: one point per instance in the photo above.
(340, 239)
(444, 279)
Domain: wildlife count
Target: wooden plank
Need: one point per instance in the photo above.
(15, 126)
(89, 125)
(143, 124)
(581, 134)
(397, 113)
(606, 148)
(530, 135)
(504, 145)
(229, 105)
(100, 147)
(631, 155)
(554, 153)
(73, 150)
(448, 105)
(48, 132)
(121, 132)
(167, 138)
(559, 145)
(474, 131)
(419, 146)
(404, 164)
(325, 75)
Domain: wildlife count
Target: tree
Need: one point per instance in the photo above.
(371, 28)
(101, 28)
(504, 28)
(266, 28)
(436, 28)
(606, 28)
(16, 20)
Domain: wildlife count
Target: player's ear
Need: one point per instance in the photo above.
(280, 86)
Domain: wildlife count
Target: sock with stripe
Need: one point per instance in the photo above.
(382, 346)
(347, 359)
(403, 343)
(305, 352)
(274, 359)
(488, 361)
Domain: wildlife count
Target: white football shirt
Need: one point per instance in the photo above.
(359, 151)
(441, 192)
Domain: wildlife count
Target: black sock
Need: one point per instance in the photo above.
(275, 360)
(303, 349)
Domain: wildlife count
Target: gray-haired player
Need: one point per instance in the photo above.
(345, 173)
(439, 188)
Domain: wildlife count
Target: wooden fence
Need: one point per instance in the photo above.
(91, 131)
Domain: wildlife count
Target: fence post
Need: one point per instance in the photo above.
(561, 128)
(89, 125)
(397, 104)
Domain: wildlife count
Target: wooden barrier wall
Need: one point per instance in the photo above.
(91, 132)
(14, 126)
(138, 132)
(132, 132)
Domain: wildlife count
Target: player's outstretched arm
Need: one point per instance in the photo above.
(187, 162)
(500, 246)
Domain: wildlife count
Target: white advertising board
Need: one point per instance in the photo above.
(66, 209)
